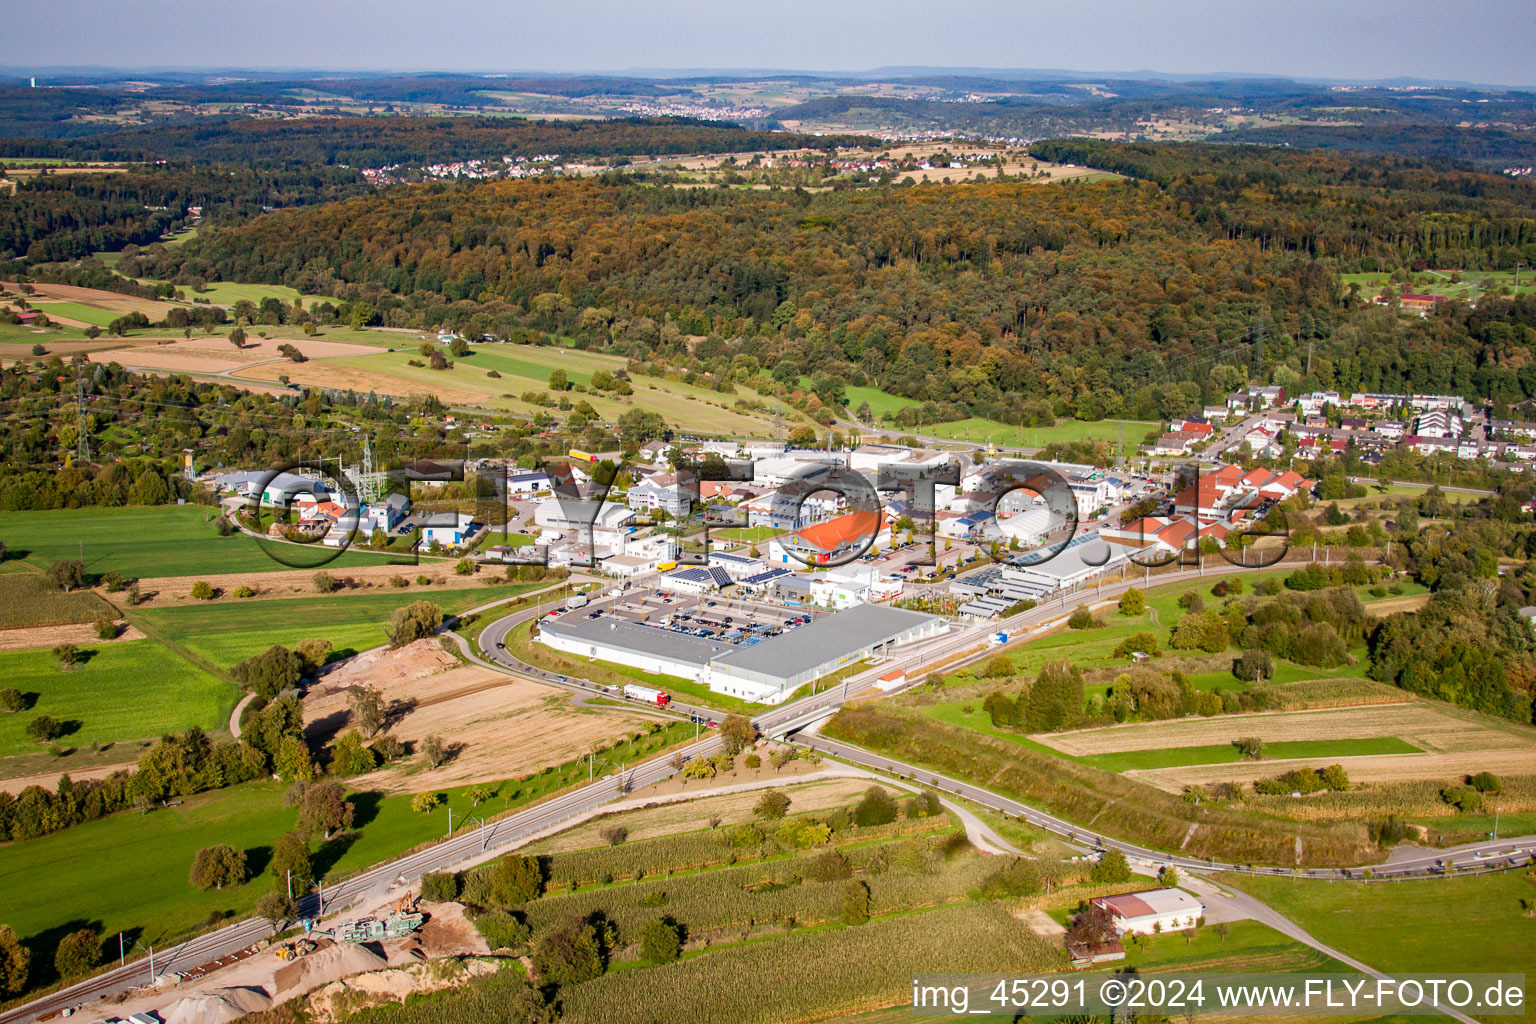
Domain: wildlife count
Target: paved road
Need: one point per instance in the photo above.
(785, 719)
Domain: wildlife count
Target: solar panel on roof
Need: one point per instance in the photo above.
(720, 576)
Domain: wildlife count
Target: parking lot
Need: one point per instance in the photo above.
(713, 616)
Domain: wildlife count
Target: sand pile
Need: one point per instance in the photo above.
(219, 1007)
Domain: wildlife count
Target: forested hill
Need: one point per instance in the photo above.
(383, 141)
(1118, 298)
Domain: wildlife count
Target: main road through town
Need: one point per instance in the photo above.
(952, 648)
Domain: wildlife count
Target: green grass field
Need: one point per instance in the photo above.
(744, 534)
(527, 368)
(77, 311)
(18, 334)
(1179, 757)
(131, 689)
(1467, 923)
(227, 293)
(980, 430)
(160, 540)
(880, 402)
(227, 631)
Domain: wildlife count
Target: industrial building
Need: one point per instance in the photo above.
(1154, 910)
(766, 671)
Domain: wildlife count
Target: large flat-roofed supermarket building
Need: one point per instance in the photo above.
(767, 671)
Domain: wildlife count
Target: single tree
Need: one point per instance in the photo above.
(277, 908)
(293, 863)
(68, 655)
(737, 733)
(771, 806)
(15, 961)
(435, 750)
(202, 590)
(367, 707)
(68, 574)
(78, 953)
(214, 867)
(44, 728)
(325, 809)
(1111, 867)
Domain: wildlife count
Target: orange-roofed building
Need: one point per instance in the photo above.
(819, 542)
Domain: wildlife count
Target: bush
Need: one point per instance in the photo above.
(44, 728)
(855, 903)
(440, 886)
(1133, 602)
(876, 808)
(1146, 643)
(1253, 666)
(413, 622)
(514, 880)
(202, 590)
(68, 655)
(244, 591)
(1485, 782)
(614, 835)
(349, 757)
(387, 748)
(1251, 747)
(1465, 799)
(324, 582)
(106, 629)
(12, 699)
(501, 929)
(998, 667)
(661, 941)
(465, 567)
(399, 581)
(1083, 618)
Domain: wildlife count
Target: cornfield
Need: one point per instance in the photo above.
(31, 599)
(743, 897)
(698, 850)
(811, 975)
(1332, 693)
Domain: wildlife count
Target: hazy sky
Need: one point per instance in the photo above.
(1490, 41)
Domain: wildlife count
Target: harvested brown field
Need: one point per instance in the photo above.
(169, 591)
(498, 726)
(215, 354)
(50, 780)
(79, 633)
(1435, 728)
(328, 375)
(1408, 603)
